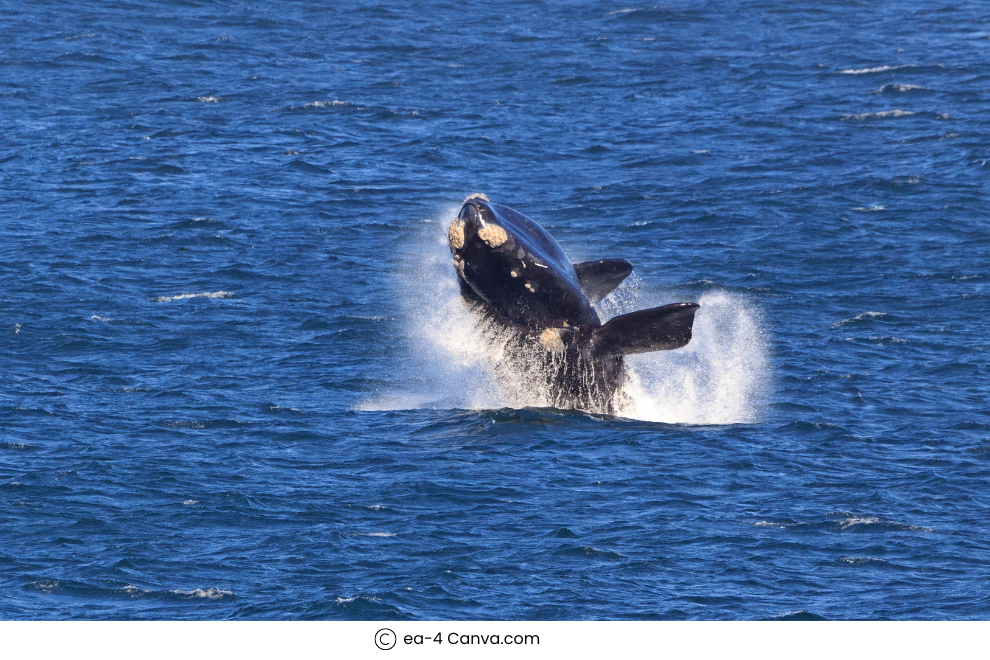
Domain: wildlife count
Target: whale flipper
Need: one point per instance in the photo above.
(658, 329)
(599, 278)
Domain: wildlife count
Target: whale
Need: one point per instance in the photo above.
(536, 311)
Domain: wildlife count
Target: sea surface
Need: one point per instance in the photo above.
(237, 382)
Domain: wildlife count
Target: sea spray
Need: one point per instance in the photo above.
(450, 359)
(719, 378)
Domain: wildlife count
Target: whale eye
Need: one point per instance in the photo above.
(469, 213)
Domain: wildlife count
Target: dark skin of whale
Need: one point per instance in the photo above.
(539, 308)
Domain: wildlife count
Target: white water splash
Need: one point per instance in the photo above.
(719, 378)
(449, 353)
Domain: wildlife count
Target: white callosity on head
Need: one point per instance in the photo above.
(493, 235)
(456, 234)
(530, 286)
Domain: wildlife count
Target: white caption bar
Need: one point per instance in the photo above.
(245, 640)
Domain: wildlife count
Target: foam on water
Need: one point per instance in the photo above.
(719, 378)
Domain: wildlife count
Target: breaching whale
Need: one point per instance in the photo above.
(536, 310)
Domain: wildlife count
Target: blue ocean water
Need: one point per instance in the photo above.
(237, 381)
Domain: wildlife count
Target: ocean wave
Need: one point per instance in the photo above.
(880, 115)
(896, 87)
(865, 316)
(875, 69)
(848, 522)
(317, 105)
(326, 104)
(874, 523)
(204, 424)
(87, 590)
(183, 296)
(887, 340)
(588, 551)
(861, 560)
(211, 593)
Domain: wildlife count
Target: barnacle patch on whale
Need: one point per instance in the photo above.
(550, 340)
(493, 235)
(456, 234)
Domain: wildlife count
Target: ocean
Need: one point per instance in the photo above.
(238, 382)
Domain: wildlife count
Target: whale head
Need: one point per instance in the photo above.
(515, 267)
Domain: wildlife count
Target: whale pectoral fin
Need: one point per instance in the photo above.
(599, 278)
(659, 329)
